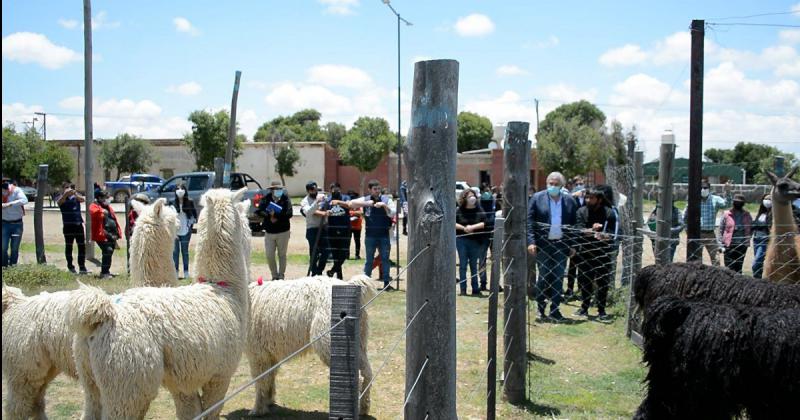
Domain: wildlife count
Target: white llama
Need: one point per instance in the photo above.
(189, 339)
(152, 243)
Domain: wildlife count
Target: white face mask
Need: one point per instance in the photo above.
(767, 203)
(106, 201)
(471, 200)
(704, 192)
(180, 193)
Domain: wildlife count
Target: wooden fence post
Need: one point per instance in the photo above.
(516, 165)
(38, 230)
(638, 210)
(491, 339)
(345, 345)
(431, 161)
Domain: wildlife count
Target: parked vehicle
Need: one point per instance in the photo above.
(197, 183)
(30, 192)
(460, 187)
(129, 185)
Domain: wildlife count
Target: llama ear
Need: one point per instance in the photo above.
(238, 195)
(203, 199)
(138, 206)
(792, 172)
(158, 205)
(772, 177)
(243, 207)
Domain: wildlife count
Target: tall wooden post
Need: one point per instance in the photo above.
(638, 209)
(345, 345)
(88, 134)
(226, 177)
(693, 249)
(517, 161)
(38, 231)
(491, 339)
(431, 160)
(664, 213)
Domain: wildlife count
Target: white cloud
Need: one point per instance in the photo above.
(100, 21)
(291, 97)
(726, 85)
(790, 36)
(17, 113)
(68, 23)
(185, 89)
(789, 70)
(72, 103)
(564, 93)
(28, 47)
(628, 54)
(340, 7)
(796, 9)
(474, 25)
(339, 75)
(674, 48)
(646, 91)
(183, 25)
(510, 70)
(550, 42)
(509, 106)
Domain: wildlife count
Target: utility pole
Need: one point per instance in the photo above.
(88, 159)
(693, 249)
(536, 103)
(664, 213)
(226, 177)
(44, 123)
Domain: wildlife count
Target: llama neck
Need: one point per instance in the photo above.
(783, 218)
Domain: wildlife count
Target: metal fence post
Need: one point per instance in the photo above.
(345, 339)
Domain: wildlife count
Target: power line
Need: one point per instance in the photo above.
(754, 16)
(770, 25)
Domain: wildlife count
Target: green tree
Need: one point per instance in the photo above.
(366, 144)
(474, 131)
(304, 125)
(571, 140)
(282, 140)
(23, 152)
(209, 137)
(752, 157)
(616, 139)
(334, 132)
(126, 153)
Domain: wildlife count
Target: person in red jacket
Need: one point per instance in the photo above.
(105, 230)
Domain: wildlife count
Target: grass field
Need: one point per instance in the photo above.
(580, 370)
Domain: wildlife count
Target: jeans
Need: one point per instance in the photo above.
(469, 252)
(108, 251)
(182, 245)
(74, 232)
(12, 237)
(317, 250)
(384, 246)
(339, 245)
(760, 250)
(551, 260)
(276, 242)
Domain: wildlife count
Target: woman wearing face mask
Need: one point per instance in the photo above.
(761, 228)
(734, 230)
(105, 230)
(275, 208)
(470, 219)
(187, 216)
(487, 204)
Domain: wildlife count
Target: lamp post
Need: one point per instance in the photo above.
(399, 140)
(44, 123)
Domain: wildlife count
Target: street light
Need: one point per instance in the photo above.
(399, 138)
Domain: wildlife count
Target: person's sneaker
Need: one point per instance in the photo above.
(557, 317)
(106, 275)
(484, 289)
(72, 270)
(542, 317)
(477, 293)
(330, 273)
(582, 312)
(84, 272)
(387, 288)
(602, 316)
(462, 293)
(568, 294)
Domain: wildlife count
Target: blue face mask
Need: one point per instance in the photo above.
(277, 193)
(486, 196)
(553, 190)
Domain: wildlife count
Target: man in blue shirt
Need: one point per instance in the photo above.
(551, 215)
(14, 201)
(378, 213)
(70, 205)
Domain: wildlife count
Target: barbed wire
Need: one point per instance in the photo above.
(397, 277)
(419, 375)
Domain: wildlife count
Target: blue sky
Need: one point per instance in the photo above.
(155, 62)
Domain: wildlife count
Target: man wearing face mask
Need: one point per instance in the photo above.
(551, 216)
(710, 204)
(734, 231)
(313, 207)
(105, 230)
(598, 224)
(378, 212)
(14, 202)
(276, 227)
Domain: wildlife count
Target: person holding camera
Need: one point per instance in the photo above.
(105, 230)
(69, 202)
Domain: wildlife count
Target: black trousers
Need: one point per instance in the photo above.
(74, 232)
(734, 257)
(339, 245)
(317, 250)
(357, 240)
(108, 251)
(594, 266)
(572, 271)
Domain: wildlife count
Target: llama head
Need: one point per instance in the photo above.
(220, 233)
(157, 221)
(784, 189)
(11, 295)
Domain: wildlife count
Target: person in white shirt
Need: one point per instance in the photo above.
(313, 207)
(14, 201)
